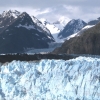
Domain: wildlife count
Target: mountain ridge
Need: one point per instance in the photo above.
(23, 33)
(87, 43)
(72, 27)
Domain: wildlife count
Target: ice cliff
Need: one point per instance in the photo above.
(75, 79)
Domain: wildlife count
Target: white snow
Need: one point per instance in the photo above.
(74, 79)
(63, 21)
(54, 30)
(38, 23)
(7, 30)
(26, 26)
(2, 27)
(71, 36)
(3, 38)
(36, 34)
(88, 26)
(80, 32)
(59, 24)
(0, 22)
(10, 13)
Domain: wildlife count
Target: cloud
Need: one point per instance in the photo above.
(45, 11)
(54, 9)
(48, 3)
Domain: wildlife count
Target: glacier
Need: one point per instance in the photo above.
(74, 79)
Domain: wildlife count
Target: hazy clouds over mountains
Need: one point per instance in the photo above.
(73, 9)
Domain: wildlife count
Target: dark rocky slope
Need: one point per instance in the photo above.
(87, 43)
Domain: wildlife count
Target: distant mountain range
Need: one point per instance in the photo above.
(72, 27)
(86, 43)
(94, 22)
(20, 31)
(63, 30)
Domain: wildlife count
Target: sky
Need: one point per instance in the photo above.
(54, 10)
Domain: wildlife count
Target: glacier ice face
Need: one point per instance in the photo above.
(75, 79)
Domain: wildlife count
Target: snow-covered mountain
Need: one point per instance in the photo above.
(72, 27)
(56, 27)
(39, 23)
(19, 32)
(76, 79)
(7, 18)
(63, 30)
(62, 22)
(9, 13)
(52, 27)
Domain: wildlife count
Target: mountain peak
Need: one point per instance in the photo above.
(21, 33)
(72, 27)
(76, 21)
(9, 13)
(24, 13)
